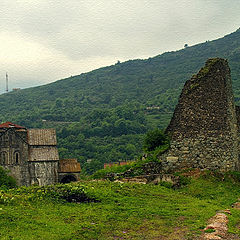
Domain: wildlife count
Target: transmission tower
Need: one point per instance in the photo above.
(6, 82)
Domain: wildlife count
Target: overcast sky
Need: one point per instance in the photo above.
(42, 41)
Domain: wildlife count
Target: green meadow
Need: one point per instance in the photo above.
(113, 210)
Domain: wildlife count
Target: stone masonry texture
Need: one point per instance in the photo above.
(31, 156)
(205, 124)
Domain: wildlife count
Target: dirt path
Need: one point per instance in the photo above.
(217, 228)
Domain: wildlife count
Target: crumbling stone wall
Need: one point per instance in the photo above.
(203, 129)
(238, 124)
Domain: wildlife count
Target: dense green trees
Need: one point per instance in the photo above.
(103, 115)
(154, 139)
(103, 135)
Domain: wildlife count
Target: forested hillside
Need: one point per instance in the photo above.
(102, 115)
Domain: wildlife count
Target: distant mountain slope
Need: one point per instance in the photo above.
(111, 102)
(138, 80)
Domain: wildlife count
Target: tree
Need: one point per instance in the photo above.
(6, 181)
(154, 139)
(92, 166)
(59, 103)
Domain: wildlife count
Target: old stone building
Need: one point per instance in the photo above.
(68, 170)
(32, 157)
(204, 129)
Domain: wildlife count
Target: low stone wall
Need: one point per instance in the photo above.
(154, 179)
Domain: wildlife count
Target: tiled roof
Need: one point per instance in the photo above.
(42, 137)
(69, 165)
(11, 125)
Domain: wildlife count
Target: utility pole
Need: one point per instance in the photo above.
(6, 82)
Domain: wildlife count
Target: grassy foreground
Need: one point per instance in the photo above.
(114, 210)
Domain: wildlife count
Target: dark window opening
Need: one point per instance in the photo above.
(17, 157)
(68, 179)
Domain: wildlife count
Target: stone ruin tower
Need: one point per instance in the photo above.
(204, 128)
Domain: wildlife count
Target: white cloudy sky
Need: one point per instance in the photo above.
(45, 40)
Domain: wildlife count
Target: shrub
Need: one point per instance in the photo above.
(154, 139)
(71, 192)
(102, 173)
(6, 181)
(166, 184)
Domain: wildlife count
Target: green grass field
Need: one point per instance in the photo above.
(120, 210)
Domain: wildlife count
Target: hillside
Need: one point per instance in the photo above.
(113, 210)
(102, 115)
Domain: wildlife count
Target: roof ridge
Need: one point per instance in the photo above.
(11, 125)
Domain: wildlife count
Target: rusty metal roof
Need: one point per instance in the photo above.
(42, 137)
(43, 154)
(11, 125)
(69, 166)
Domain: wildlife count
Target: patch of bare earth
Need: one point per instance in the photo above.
(236, 205)
(193, 173)
(178, 234)
(217, 228)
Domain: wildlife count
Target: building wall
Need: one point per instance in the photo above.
(117, 163)
(32, 156)
(43, 172)
(204, 129)
(11, 143)
(15, 155)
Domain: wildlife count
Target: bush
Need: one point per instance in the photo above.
(6, 181)
(72, 192)
(102, 173)
(154, 139)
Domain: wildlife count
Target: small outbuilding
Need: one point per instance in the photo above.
(68, 170)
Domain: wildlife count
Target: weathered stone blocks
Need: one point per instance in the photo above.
(204, 127)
